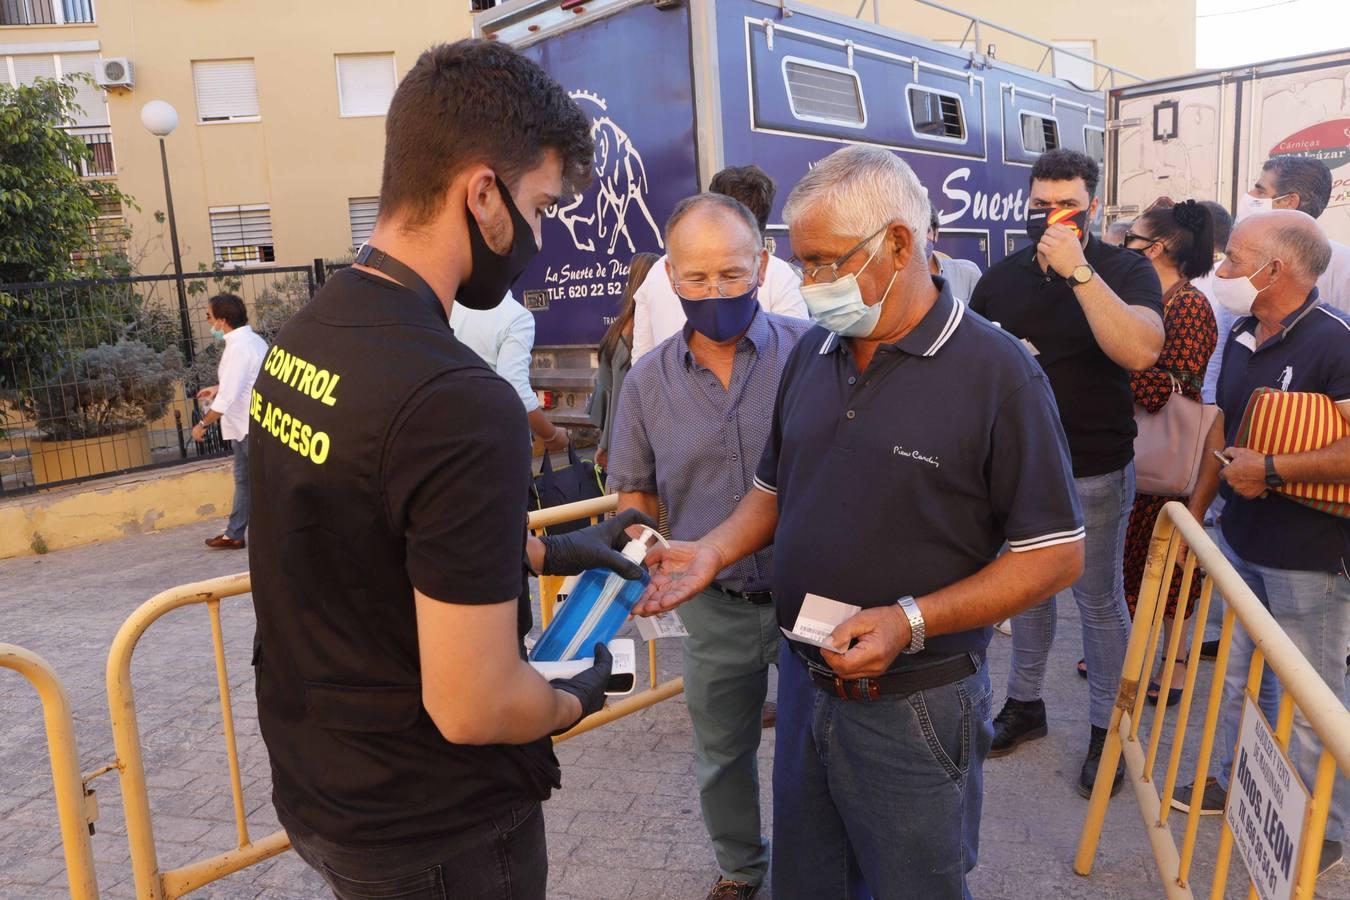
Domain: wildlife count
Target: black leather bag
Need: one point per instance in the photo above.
(580, 479)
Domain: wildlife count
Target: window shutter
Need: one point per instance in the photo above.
(226, 89)
(824, 94)
(361, 212)
(28, 69)
(366, 83)
(93, 108)
(242, 233)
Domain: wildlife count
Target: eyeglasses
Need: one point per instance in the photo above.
(1131, 236)
(731, 287)
(829, 273)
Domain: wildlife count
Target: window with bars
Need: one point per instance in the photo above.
(936, 114)
(108, 232)
(361, 213)
(46, 12)
(822, 93)
(366, 83)
(1039, 133)
(242, 235)
(227, 90)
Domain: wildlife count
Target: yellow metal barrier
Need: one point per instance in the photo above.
(153, 884)
(1301, 685)
(74, 805)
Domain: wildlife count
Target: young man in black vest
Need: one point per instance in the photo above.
(409, 739)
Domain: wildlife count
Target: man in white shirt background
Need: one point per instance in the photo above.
(960, 274)
(229, 399)
(503, 337)
(657, 313)
(1304, 184)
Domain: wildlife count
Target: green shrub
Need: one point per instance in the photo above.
(106, 390)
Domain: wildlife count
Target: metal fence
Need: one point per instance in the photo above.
(46, 12)
(99, 376)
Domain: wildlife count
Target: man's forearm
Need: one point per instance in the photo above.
(210, 418)
(1007, 586)
(1132, 337)
(1329, 465)
(1207, 482)
(540, 424)
(643, 502)
(748, 529)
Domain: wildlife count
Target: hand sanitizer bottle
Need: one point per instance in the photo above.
(596, 608)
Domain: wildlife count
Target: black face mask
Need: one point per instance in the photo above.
(493, 274)
(1038, 220)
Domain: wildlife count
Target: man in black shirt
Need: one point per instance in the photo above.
(1091, 314)
(408, 737)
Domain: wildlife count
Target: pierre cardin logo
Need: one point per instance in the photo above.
(916, 455)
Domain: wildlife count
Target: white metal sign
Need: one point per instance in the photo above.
(1267, 808)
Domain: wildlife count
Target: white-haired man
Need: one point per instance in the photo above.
(1291, 556)
(910, 441)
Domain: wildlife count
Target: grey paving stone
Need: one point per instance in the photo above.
(625, 825)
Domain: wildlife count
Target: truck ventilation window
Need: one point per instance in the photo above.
(936, 115)
(824, 94)
(1039, 133)
(1094, 144)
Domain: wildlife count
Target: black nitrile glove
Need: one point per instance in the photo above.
(588, 686)
(596, 546)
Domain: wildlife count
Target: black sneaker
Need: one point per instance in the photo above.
(1211, 802)
(1088, 777)
(1018, 722)
(1331, 857)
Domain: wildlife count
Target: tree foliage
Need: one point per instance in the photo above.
(106, 390)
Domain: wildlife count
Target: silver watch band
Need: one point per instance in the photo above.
(916, 626)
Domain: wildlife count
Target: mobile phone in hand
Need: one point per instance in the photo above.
(1223, 460)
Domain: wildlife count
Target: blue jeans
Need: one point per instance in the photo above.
(238, 523)
(1100, 593)
(1313, 608)
(877, 799)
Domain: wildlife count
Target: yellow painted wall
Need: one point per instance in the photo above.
(115, 508)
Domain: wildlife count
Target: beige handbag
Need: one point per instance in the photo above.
(1170, 444)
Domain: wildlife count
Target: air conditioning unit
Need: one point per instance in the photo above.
(115, 71)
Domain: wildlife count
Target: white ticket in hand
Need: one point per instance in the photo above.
(662, 625)
(817, 620)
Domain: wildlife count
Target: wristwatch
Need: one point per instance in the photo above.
(1273, 479)
(1081, 275)
(916, 629)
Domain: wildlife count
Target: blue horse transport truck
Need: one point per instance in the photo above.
(677, 90)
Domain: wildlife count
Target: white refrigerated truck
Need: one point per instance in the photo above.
(1206, 135)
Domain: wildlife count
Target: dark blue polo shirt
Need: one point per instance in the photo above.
(1311, 354)
(912, 475)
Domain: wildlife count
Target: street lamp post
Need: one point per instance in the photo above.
(160, 118)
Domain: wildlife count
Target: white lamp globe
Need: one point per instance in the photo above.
(159, 117)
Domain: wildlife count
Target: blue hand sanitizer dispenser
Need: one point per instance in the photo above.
(596, 608)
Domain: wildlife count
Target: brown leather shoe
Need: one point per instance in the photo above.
(726, 889)
(769, 716)
(221, 542)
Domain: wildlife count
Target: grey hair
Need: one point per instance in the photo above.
(1302, 245)
(721, 201)
(862, 189)
(1309, 178)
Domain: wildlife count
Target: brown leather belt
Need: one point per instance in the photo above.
(904, 682)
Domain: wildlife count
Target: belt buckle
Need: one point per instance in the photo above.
(859, 689)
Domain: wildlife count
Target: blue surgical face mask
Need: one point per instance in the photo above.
(218, 334)
(838, 305)
(722, 318)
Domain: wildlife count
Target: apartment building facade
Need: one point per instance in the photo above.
(276, 157)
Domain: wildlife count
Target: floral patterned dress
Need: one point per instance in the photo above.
(1191, 334)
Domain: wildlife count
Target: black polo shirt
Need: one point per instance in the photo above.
(384, 454)
(1091, 392)
(912, 475)
(1311, 354)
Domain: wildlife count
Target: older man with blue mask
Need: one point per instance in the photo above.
(911, 440)
(693, 418)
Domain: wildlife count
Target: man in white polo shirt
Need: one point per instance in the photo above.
(657, 313)
(239, 365)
